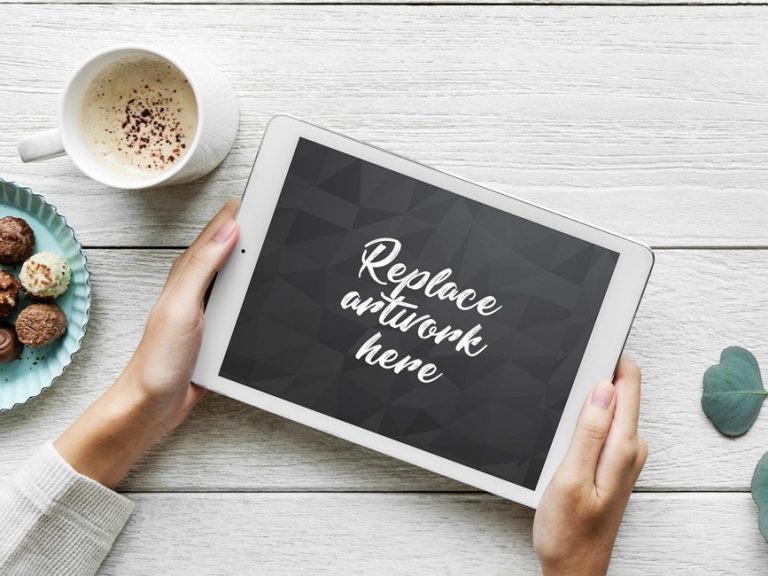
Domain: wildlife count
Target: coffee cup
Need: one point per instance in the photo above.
(136, 117)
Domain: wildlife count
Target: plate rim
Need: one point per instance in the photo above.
(86, 322)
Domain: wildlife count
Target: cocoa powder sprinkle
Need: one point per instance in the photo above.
(149, 123)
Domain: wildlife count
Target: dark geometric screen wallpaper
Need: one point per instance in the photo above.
(418, 314)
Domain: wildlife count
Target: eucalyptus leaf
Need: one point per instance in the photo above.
(762, 522)
(733, 392)
(760, 482)
(760, 494)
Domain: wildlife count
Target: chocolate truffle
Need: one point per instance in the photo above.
(9, 293)
(17, 241)
(10, 347)
(45, 275)
(40, 324)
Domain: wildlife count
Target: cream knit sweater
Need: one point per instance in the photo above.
(54, 521)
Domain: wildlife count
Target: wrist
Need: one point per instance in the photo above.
(111, 435)
(575, 566)
(140, 404)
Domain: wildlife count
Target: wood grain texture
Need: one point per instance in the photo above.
(697, 303)
(543, 3)
(380, 534)
(647, 120)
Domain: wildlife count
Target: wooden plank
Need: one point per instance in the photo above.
(697, 303)
(419, 534)
(436, 2)
(650, 121)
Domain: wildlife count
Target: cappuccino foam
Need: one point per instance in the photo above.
(139, 116)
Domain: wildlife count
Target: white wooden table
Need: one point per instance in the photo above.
(650, 120)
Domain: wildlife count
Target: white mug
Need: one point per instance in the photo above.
(217, 120)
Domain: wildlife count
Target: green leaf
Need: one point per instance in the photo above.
(760, 494)
(733, 392)
(760, 482)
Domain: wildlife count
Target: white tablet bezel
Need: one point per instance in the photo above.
(259, 201)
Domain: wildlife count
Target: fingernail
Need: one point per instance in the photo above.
(602, 395)
(225, 232)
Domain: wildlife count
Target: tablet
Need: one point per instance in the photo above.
(414, 312)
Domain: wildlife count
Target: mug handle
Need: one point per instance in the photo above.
(41, 146)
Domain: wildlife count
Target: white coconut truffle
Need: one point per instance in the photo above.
(45, 275)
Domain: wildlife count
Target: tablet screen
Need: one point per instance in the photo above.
(418, 314)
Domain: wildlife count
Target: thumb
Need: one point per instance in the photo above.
(205, 260)
(591, 430)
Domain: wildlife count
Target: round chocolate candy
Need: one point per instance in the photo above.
(9, 293)
(17, 240)
(10, 347)
(40, 324)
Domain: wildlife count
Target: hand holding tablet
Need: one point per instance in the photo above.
(416, 313)
(578, 517)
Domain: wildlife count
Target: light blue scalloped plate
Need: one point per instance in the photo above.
(38, 368)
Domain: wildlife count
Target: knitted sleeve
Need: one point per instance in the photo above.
(56, 521)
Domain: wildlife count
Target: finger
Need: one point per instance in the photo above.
(591, 431)
(227, 212)
(623, 449)
(627, 382)
(194, 394)
(203, 263)
(198, 392)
